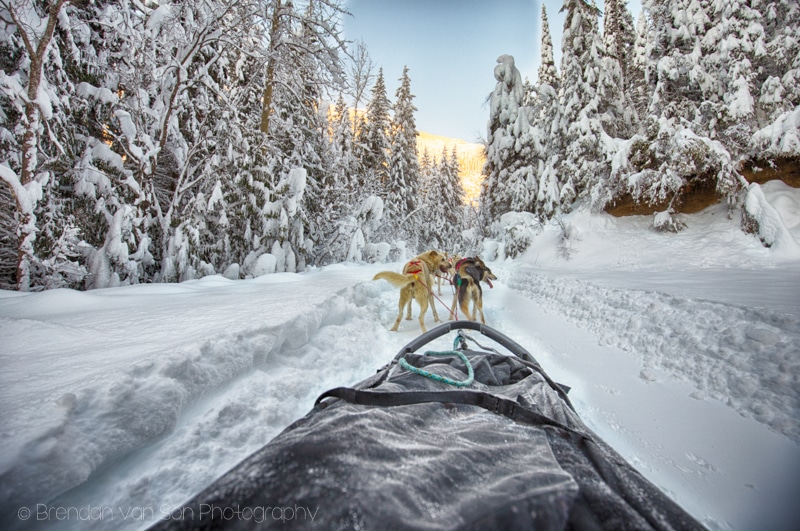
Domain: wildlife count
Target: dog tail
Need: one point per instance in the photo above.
(397, 280)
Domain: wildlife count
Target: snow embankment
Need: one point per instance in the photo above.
(213, 399)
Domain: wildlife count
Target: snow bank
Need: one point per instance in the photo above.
(91, 423)
(708, 239)
(768, 221)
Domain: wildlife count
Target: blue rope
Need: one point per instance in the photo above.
(427, 374)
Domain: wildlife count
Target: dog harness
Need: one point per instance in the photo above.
(414, 268)
(469, 260)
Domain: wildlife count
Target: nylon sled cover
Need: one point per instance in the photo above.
(402, 451)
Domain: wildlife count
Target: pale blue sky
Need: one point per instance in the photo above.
(451, 48)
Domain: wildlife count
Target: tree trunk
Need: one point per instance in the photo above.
(266, 104)
(26, 230)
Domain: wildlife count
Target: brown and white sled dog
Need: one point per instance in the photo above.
(415, 283)
(469, 273)
(451, 259)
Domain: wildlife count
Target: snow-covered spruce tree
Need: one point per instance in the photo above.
(453, 196)
(84, 184)
(682, 87)
(636, 82)
(548, 73)
(430, 176)
(92, 191)
(218, 227)
(677, 151)
(546, 117)
(507, 155)
(737, 65)
(308, 66)
(780, 71)
(426, 169)
(589, 103)
(364, 222)
(617, 110)
(337, 191)
(403, 185)
(443, 204)
(372, 143)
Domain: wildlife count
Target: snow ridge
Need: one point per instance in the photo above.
(164, 402)
(745, 357)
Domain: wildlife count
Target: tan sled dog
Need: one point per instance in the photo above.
(469, 273)
(415, 283)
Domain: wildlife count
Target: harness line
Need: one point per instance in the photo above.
(455, 315)
(444, 379)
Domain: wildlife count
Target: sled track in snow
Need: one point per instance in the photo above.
(217, 401)
(744, 357)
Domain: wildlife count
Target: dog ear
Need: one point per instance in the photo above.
(474, 272)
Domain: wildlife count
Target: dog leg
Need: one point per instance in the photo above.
(479, 306)
(423, 308)
(465, 309)
(453, 307)
(432, 303)
(400, 307)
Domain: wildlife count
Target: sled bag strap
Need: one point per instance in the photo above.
(496, 404)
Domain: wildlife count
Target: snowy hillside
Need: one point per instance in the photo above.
(681, 351)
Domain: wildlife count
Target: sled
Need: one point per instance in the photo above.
(468, 438)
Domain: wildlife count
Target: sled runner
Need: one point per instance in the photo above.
(468, 438)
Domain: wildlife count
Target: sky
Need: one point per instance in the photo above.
(680, 349)
(451, 48)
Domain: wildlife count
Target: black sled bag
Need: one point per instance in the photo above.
(405, 451)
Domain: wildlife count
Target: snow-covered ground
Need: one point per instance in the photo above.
(682, 351)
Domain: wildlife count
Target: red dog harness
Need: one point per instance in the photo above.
(414, 267)
(457, 278)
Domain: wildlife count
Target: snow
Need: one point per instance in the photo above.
(681, 350)
(781, 137)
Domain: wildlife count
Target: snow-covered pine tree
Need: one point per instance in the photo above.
(164, 120)
(779, 90)
(373, 145)
(637, 87)
(551, 150)
(426, 168)
(588, 103)
(616, 104)
(504, 185)
(338, 195)
(308, 64)
(443, 206)
(218, 223)
(403, 186)
(452, 197)
(548, 74)
(777, 140)
(677, 151)
(677, 62)
(737, 67)
(546, 117)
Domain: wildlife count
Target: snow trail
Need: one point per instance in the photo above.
(745, 357)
